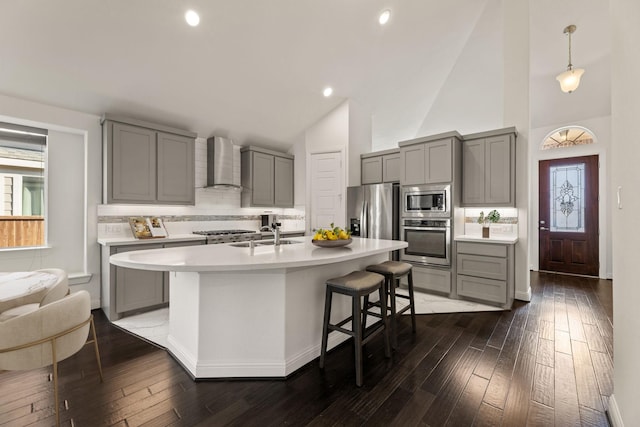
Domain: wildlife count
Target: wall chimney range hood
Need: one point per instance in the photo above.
(223, 163)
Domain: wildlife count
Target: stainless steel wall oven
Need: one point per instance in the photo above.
(429, 241)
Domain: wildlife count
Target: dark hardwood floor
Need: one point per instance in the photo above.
(547, 362)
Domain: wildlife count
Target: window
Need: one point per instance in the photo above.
(22, 177)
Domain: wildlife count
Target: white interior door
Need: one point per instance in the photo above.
(327, 190)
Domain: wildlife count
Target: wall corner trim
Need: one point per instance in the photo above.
(613, 413)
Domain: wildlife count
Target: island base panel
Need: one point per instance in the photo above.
(254, 324)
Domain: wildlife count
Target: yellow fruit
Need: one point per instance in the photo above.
(343, 235)
(318, 236)
(331, 235)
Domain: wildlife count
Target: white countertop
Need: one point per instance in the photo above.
(117, 241)
(225, 257)
(504, 240)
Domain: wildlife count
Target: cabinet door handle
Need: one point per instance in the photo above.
(544, 229)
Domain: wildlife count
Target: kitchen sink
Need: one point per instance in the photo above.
(262, 243)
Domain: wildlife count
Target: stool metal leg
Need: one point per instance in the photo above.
(325, 325)
(357, 337)
(412, 301)
(365, 307)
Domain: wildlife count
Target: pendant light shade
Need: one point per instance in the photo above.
(570, 79)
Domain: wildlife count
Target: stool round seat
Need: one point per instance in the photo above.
(358, 281)
(391, 267)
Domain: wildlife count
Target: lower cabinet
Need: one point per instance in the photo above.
(432, 279)
(137, 288)
(485, 272)
(131, 289)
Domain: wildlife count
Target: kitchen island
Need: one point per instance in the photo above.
(252, 312)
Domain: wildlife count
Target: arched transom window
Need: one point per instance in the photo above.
(567, 137)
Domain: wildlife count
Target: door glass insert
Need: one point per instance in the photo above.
(567, 198)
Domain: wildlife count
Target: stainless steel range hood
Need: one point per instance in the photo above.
(223, 163)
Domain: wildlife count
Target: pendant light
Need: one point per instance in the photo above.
(570, 79)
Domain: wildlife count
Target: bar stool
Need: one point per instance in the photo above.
(393, 271)
(355, 284)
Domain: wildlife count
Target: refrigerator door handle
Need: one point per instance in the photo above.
(364, 223)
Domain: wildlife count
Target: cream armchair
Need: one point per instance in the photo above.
(31, 302)
(48, 335)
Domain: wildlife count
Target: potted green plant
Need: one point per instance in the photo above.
(492, 217)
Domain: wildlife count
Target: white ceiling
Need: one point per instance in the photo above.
(255, 70)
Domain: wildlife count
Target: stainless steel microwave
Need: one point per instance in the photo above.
(426, 201)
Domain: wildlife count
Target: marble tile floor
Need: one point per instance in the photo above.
(153, 326)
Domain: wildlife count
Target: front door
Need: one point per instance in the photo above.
(568, 229)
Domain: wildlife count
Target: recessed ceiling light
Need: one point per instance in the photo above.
(384, 17)
(327, 91)
(192, 18)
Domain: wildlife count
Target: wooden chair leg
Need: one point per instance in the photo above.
(412, 301)
(385, 322)
(392, 296)
(357, 330)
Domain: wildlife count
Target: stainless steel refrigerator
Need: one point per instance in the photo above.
(372, 211)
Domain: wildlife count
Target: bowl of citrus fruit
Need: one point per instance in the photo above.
(333, 237)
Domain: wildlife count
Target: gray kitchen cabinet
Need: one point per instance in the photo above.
(176, 169)
(127, 289)
(283, 181)
(267, 178)
(391, 167)
(488, 169)
(136, 289)
(430, 160)
(486, 272)
(371, 170)
(147, 163)
(432, 279)
(379, 167)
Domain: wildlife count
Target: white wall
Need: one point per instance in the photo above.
(625, 112)
(516, 113)
(601, 128)
(74, 186)
(359, 140)
(471, 99)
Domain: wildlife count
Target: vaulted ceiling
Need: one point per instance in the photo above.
(255, 70)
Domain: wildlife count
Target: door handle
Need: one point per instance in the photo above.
(544, 229)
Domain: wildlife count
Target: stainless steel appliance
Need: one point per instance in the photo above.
(228, 236)
(223, 162)
(429, 241)
(426, 201)
(372, 211)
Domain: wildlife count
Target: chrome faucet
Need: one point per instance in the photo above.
(275, 229)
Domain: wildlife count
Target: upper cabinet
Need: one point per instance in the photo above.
(147, 163)
(267, 178)
(429, 160)
(489, 168)
(379, 167)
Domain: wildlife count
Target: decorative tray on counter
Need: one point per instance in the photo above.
(332, 243)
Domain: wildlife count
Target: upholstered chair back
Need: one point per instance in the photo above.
(59, 289)
(47, 321)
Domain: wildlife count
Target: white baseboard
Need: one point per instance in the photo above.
(79, 278)
(614, 413)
